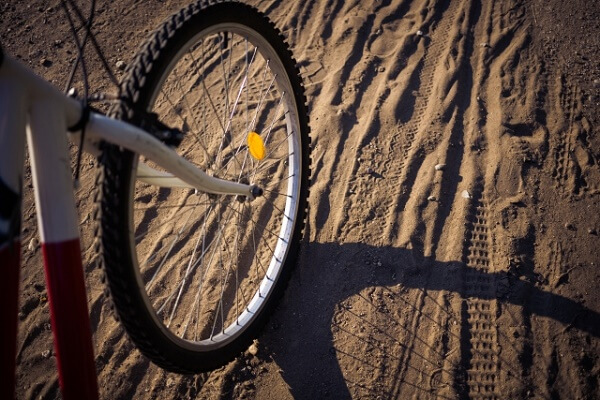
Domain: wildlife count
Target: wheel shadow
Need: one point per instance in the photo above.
(308, 335)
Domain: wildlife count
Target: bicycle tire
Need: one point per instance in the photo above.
(205, 329)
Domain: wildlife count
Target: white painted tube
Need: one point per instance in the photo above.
(139, 141)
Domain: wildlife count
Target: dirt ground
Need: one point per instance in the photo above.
(475, 280)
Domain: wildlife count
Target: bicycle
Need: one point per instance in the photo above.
(204, 174)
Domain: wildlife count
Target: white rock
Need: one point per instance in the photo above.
(440, 167)
(465, 194)
(419, 33)
(253, 349)
(32, 244)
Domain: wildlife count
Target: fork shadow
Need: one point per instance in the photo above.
(315, 310)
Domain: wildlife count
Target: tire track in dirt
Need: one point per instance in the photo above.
(379, 94)
(566, 104)
(415, 351)
(393, 96)
(418, 96)
(432, 130)
(423, 351)
(492, 365)
(479, 336)
(353, 86)
(456, 20)
(423, 79)
(574, 168)
(423, 218)
(479, 350)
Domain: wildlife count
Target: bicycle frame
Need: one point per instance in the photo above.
(32, 108)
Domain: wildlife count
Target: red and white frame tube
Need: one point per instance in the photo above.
(12, 148)
(58, 226)
(24, 96)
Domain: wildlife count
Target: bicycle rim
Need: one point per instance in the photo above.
(209, 264)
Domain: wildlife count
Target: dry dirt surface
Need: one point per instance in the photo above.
(476, 279)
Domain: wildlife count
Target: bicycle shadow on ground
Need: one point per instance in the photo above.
(321, 323)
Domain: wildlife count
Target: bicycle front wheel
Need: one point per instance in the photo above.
(193, 275)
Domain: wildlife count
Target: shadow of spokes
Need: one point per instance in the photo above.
(375, 322)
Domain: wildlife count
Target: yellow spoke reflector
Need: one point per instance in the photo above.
(256, 146)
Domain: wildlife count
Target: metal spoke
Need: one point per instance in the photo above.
(213, 258)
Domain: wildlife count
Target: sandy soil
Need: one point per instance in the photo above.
(473, 281)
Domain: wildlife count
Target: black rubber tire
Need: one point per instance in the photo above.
(116, 195)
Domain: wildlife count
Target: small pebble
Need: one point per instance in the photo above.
(46, 353)
(569, 226)
(592, 231)
(485, 44)
(120, 64)
(45, 62)
(419, 33)
(431, 198)
(32, 244)
(465, 194)
(440, 167)
(253, 349)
